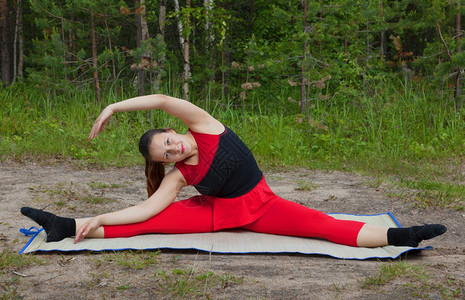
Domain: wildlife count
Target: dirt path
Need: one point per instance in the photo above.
(67, 190)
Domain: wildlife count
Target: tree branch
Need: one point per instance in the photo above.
(444, 42)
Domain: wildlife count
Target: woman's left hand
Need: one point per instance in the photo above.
(88, 227)
(101, 122)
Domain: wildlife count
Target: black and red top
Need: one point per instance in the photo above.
(228, 176)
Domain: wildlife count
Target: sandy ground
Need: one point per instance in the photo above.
(69, 190)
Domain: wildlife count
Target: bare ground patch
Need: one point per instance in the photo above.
(80, 192)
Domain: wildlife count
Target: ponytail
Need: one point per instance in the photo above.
(154, 172)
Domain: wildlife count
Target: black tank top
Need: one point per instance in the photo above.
(233, 172)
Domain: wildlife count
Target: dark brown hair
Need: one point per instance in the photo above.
(154, 171)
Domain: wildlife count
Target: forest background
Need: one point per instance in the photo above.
(362, 85)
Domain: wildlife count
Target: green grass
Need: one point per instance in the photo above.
(415, 280)
(399, 131)
(306, 186)
(176, 283)
(103, 185)
(63, 195)
(188, 283)
(10, 260)
(428, 193)
(134, 260)
(11, 265)
(389, 272)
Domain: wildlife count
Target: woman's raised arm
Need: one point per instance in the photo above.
(193, 116)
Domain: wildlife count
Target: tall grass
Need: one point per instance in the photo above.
(399, 129)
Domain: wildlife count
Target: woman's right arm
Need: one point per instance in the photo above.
(193, 116)
(161, 199)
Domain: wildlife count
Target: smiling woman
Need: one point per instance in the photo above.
(233, 190)
(170, 146)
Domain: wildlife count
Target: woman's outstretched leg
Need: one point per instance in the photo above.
(289, 218)
(187, 216)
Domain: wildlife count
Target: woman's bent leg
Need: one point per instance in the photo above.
(289, 218)
(192, 215)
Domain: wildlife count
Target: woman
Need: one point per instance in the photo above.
(234, 193)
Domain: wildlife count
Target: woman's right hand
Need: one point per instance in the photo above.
(101, 122)
(88, 227)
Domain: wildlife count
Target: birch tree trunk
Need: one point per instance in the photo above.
(94, 57)
(210, 49)
(113, 65)
(143, 23)
(303, 99)
(383, 34)
(143, 35)
(15, 42)
(184, 41)
(161, 38)
(20, 41)
(458, 25)
(5, 43)
(140, 80)
(208, 5)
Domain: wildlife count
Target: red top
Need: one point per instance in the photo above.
(207, 144)
(227, 212)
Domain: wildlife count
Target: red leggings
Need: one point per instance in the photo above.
(195, 215)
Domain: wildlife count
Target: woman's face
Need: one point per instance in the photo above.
(170, 147)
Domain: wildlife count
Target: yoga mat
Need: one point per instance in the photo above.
(231, 241)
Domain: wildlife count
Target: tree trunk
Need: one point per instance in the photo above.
(94, 57)
(226, 61)
(161, 39)
(145, 36)
(5, 43)
(65, 46)
(113, 65)
(140, 71)
(458, 26)
(458, 35)
(184, 40)
(143, 22)
(367, 56)
(303, 99)
(208, 5)
(20, 41)
(251, 12)
(457, 88)
(210, 48)
(383, 35)
(15, 43)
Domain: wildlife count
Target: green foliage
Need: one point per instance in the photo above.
(391, 271)
(366, 112)
(132, 259)
(10, 260)
(187, 283)
(396, 125)
(427, 193)
(343, 41)
(415, 280)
